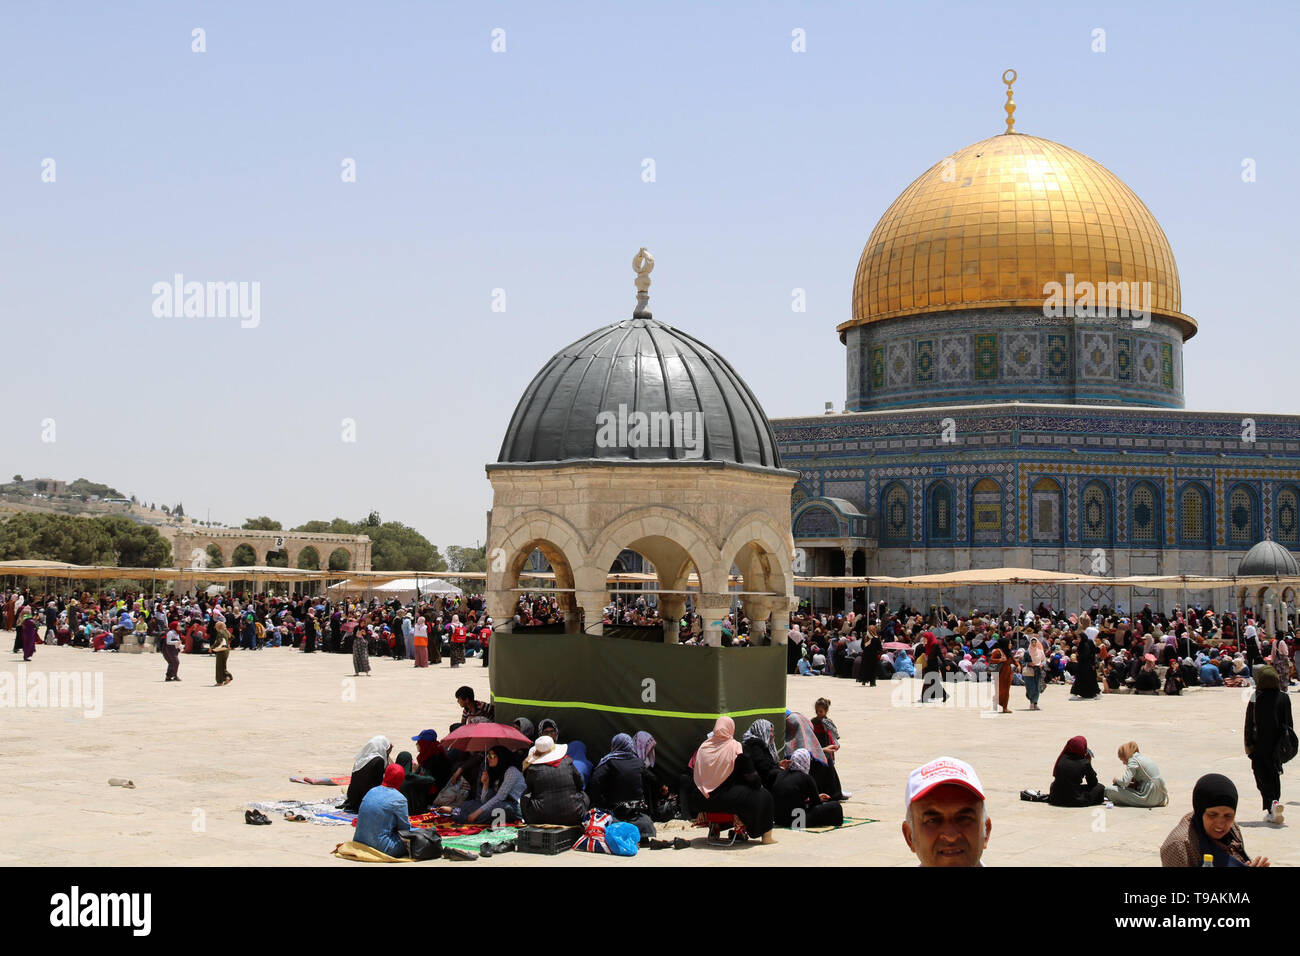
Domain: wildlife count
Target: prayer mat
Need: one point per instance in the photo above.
(323, 781)
(446, 827)
(360, 853)
(848, 822)
(327, 813)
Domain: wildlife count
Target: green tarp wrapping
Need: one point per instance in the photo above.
(596, 687)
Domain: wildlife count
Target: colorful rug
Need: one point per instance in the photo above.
(323, 781)
(446, 827)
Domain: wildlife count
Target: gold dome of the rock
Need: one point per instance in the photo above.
(995, 222)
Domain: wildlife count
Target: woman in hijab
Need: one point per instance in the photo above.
(367, 771)
(1074, 782)
(431, 757)
(501, 787)
(723, 781)
(1035, 671)
(420, 642)
(1209, 830)
(871, 648)
(932, 672)
(549, 728)
(759, 745)
(797, 802)
(578, 754)
(361, 650)
(525, 727)
(1001, 658)
(1141, 785)
(617, 785)
(28, 634)
(1085, 675)
(1268, 723)
(800, 735)
(221, 650)
(659, 788)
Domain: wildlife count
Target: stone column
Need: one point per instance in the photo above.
(671, 609)
(593, 603)
(848, 573)
(713, 608)
(757, 610)
(782, 607)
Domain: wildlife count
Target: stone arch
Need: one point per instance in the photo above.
(762, 552)
(560, 545)
(675, 539)
(308, 553)
(347, 561)
(241, 551)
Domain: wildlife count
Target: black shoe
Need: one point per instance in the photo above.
(680, 844)
(485, 850)
(452, 853)
(656, 844)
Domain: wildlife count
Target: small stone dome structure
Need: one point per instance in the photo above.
(1268, 557)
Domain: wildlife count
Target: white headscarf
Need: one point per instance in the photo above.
(377, 747)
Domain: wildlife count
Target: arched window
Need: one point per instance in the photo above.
(986, 512)
(1242, 523)
(1287, 530)
(896, 514)
(1045, 514)
(1094, 517)
(1144, 514)
(1193, 516)
(940, 507)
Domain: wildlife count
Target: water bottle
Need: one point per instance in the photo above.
(1207, 860)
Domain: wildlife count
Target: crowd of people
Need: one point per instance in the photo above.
(553, 781)
(428, 629)
(1095, 652)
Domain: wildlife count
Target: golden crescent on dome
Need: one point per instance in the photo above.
(1009, 77)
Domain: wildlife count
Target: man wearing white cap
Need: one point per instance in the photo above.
(946, 824)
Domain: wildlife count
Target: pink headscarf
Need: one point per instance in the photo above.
(716, 757)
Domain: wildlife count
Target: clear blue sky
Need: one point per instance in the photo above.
(522, 171)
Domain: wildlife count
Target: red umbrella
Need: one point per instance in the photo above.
(485, 736)
(1150, 657)
(896, 646)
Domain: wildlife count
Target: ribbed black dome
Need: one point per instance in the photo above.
(646, 367)
(1268, 557)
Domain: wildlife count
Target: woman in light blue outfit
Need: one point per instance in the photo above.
(903, 666)
(384, 812)
(1141, 785)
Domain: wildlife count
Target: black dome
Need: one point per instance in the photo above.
(646, 367)
(1268, 557)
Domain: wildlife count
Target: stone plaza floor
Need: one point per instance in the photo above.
(198, 753)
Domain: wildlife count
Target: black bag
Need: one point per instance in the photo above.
(422, 844)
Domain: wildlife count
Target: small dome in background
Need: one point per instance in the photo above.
(1268, 557)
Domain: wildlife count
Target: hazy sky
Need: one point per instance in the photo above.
(522, 171)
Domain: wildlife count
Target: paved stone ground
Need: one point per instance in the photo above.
(197, 753)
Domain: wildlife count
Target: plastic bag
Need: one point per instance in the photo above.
(622, 838)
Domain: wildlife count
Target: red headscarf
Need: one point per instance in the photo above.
(394, 776)
(1075, 747)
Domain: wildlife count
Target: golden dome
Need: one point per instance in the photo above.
(994, 223)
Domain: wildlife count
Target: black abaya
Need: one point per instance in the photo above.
(1085, 678)
(363, 781)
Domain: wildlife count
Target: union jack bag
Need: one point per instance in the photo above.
(593, 833)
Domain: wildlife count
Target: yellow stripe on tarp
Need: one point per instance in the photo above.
(640, 711)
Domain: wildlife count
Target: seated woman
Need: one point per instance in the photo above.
(759, 745)
(796, 800)
(723, 781)
(525, 727)
(578, 754)
(1211, 676)
(383, 813)
(617, 785)
(501, 787)
(1210, 829)
(1141, 785)
(1074, 782)
(1147, 680)
(418, 789)
(799, 734)
(554, 786)
(903, 665)
(658, 786)
(367, 771)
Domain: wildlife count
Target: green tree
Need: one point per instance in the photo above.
(262, 524)
(103, 540)
(372, 520)
(179, 510)
(466, 559)
(18, 477)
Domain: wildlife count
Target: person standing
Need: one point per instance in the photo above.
(361, 650)
(871, 648)
(420, 643)
(309, 633)
(221, 648)
(172, 651)
(1085, 679)
(932, 672)
(457, 641)
(484, 638)
(27, 634)
(1268, 725)
(1002, 658)
(1034, 671)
